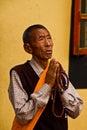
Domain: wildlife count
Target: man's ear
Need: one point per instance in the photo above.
(27, 48)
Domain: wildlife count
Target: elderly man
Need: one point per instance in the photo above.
(40, 91)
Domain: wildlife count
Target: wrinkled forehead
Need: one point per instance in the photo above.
(40, 32)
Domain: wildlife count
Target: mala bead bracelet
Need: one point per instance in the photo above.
(61, 83)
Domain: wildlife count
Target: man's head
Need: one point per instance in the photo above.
(38, 42)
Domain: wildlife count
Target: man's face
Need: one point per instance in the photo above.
(41, 44)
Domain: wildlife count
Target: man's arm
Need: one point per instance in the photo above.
(72, 101)
(26, 109)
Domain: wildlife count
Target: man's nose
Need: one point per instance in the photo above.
(48, 42)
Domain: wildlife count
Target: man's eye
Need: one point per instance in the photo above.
(41, 38)
(49, 37)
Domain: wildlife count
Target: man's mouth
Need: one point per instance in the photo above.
(49, 51)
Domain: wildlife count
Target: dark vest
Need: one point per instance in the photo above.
(47, 120)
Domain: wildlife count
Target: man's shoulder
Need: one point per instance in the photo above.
(20, 66)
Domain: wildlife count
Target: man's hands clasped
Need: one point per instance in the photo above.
(52, 72)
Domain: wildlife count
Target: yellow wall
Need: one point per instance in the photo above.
(15, 16)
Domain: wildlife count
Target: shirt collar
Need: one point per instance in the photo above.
(37, 68)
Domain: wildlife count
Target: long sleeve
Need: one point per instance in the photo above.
(72, 101)
(24, 109)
